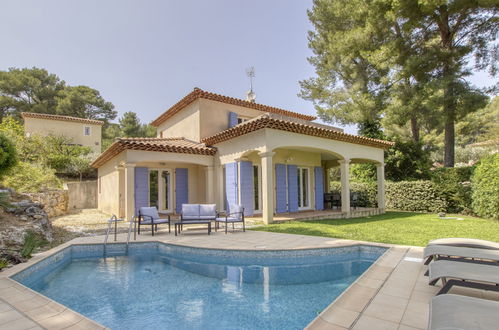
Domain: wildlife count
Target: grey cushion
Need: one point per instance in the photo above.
(190, 210)
(207, 217)
(148, 213)
(190, 217)
(229, 219)
(236, 211)
(208, 210)
(147, 221)
(443, 269)
(450, 311)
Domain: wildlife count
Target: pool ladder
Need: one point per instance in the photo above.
(114, 220)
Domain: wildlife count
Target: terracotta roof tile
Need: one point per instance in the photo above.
(176, 145)
(61, 118)
(292, 125)
(199, 93)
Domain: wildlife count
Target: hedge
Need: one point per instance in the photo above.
(454, 185)
(485, 187)
(418, 196)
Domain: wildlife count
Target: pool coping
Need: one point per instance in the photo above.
(33, 308)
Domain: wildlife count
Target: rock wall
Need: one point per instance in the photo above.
(55, 202)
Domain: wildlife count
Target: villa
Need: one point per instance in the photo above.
(217, 149)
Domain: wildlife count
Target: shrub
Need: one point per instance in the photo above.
(27, 177)
(8, 155)
(407, 161)
(419, 196)
(485, 187)
(32, 241)
(454, 185)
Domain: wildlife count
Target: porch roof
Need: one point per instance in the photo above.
(288, 124)
(176, 145)
(198, 93)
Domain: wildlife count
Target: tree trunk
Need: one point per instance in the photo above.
(449, 141)
(415, 129)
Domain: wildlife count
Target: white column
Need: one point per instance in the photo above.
(129, 191)
(220, 187)
(345, 186)
(209, 185)
(380, 176)
(267, 187)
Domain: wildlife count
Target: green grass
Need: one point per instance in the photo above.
(404, 228)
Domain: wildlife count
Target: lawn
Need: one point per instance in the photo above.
(404, 228)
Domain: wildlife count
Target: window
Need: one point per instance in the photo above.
(241, 120)
(303, 187)
(256, 187)
(86, 131)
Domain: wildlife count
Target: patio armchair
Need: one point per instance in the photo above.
(150, 216)
(236, 215)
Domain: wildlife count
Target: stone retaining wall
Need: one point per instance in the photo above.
(55, 202)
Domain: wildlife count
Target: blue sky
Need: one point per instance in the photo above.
(144, 56)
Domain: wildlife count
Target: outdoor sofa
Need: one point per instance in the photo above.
(196, 214)
(150, 216)
(452, 311)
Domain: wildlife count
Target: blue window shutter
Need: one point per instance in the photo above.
(141, 188)
(293, 188)
(280, 189)
(181, 188)
(230, 184)
(319, 188)
(232, 119)
(246, 187)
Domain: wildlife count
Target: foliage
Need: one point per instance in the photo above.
(407, 161)
(363, 172)
(366, 192)
(129, 126)
(479, 126)
(11, 127)
(485, 187)
(404, 228)
(28, 177)
(454, 185)
(3, 263)
(4, 200)
(36, 90)
(8, 155)
(31, 242)
(418, 196)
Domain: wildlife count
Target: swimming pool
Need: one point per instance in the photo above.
(164, 286)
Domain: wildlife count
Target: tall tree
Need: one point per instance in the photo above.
(350, 87)
(36, 90)
(130, 125)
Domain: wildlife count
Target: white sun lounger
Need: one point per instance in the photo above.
(466, 242)
(437, 252)
(452, 311)
(455, 273)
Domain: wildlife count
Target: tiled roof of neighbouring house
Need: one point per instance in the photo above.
(177, 145)
(61, 118)
(199, 93)
(296, 126)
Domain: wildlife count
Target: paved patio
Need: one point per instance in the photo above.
(392, 294)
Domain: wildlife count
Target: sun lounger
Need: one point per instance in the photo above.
(466, 242)
(438, 252)
(452, 311)
(465, 274)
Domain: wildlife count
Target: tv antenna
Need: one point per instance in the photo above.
(250, 95)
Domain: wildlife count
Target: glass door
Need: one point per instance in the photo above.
(160, 187)
(303, 188)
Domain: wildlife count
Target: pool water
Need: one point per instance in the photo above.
(160, 286)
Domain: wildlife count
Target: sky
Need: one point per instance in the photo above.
(144, 56)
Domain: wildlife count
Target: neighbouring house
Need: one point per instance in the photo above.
(212, 148)
(84, 132)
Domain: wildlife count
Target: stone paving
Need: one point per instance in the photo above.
(392, 294)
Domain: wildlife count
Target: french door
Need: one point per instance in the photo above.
(303, 188)
(160, 189)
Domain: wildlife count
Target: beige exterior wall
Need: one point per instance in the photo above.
(108, 186)
(186, 124)
(72, 130)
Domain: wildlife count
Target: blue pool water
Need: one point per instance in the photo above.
(160, 286)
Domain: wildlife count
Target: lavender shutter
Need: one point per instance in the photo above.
(246, 187)
(292, 188)
(181, 188)
(280, 189)
(141, 188)
(319, 188)
(230, 185)
(232, 119)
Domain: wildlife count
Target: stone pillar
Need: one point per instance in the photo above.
(267, 187)
(129, 191)
(220, 188)
(209, 185)
(380, 176)
(345, 186)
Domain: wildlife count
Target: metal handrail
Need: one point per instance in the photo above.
(114, 219)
